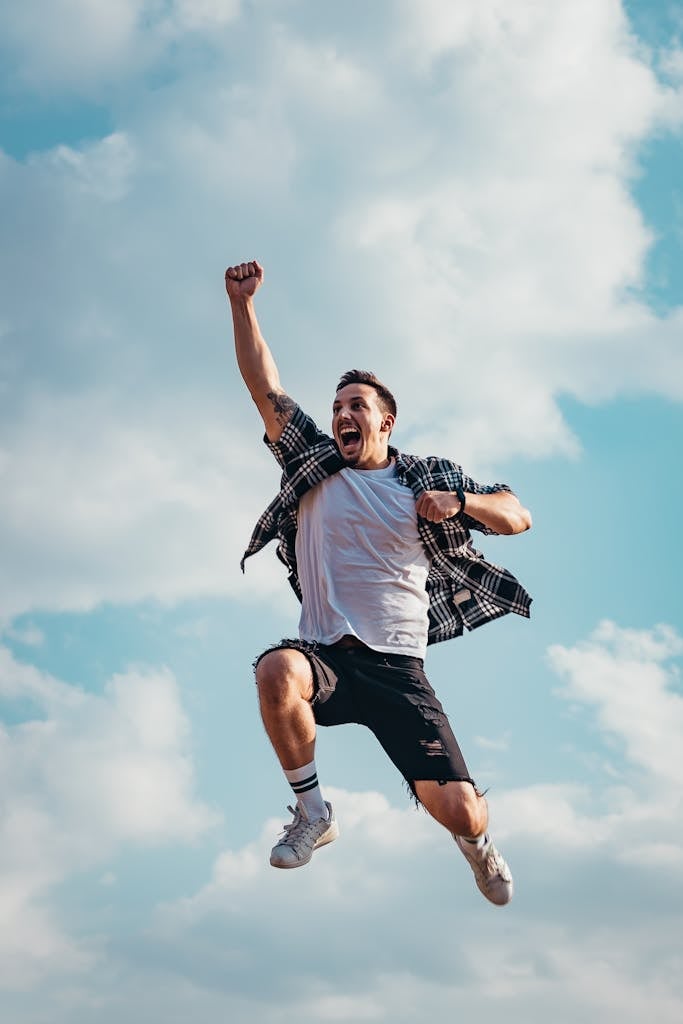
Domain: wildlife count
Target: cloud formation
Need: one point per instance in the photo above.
(87, 44)
(82, 775)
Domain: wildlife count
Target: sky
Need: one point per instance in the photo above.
(482, 203)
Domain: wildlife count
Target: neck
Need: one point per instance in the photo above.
(379, 463)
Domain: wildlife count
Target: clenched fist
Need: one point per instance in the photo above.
(438, 505)
(242, 280)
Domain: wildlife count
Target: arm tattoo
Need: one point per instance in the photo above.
(283, 405)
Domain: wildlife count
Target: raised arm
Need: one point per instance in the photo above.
(500, 511)
(254, 358)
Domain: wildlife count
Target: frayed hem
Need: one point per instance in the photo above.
(289, 643)
(410, 787)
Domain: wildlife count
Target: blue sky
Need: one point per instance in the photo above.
(480, 201)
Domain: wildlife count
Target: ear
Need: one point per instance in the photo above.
(388, 423)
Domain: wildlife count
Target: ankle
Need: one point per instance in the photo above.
(476, 842)
(304, 783)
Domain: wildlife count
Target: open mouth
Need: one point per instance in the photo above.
(348, 438)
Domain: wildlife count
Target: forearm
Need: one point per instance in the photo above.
(254, 358)
(500, 511)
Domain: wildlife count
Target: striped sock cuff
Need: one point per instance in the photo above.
(303, 785)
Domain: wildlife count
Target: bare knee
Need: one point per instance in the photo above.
(472, 817)
(282, 676)
(456, 805)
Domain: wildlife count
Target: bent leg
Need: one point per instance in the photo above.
(285, 688)
(284, 678)
(463, 811)
(455, 805)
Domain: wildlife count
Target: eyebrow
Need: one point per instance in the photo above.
(354, 398)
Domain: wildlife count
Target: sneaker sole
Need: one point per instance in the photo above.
(493, 898)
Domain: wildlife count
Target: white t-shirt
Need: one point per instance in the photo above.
(361, 563)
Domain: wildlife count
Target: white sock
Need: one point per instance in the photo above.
(304, 782)
(477, 841)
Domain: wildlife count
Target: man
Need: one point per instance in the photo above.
(378, 548)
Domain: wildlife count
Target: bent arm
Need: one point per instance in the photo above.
(254, 358)
(500, 511)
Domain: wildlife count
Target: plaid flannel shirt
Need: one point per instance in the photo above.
(465, 591)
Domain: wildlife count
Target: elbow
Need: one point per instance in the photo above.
(524, 521)
(518, 521)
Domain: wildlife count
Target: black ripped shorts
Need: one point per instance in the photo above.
(390, 694)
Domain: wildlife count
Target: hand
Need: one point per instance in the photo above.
(438, 505)
(242, 280)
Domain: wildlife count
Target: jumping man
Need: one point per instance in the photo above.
(377, 544)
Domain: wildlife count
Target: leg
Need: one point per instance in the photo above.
(409, 721)
(285, 687)
(463, 811)
(284, 678)
(455, 805)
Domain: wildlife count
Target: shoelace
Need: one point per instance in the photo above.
(297, 815)
(489, 864)
(493, 864)
(297, 832)
(494, 861)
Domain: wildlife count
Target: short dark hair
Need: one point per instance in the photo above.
(386, 399)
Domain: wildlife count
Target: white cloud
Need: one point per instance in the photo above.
(102, 169)
(83, 44)
(72, 41)
(624, 674)
(28, 635)
(518, 247)
(106, 508)
(672, 63)
(489, 743)
(625, 679)
(203, 15)
(82, 775)
(323, 77)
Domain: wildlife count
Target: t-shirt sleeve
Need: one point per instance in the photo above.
(300, 433)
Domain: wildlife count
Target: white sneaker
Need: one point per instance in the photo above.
(301, 837)
(491, 873)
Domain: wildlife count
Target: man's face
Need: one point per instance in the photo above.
(360, 427)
